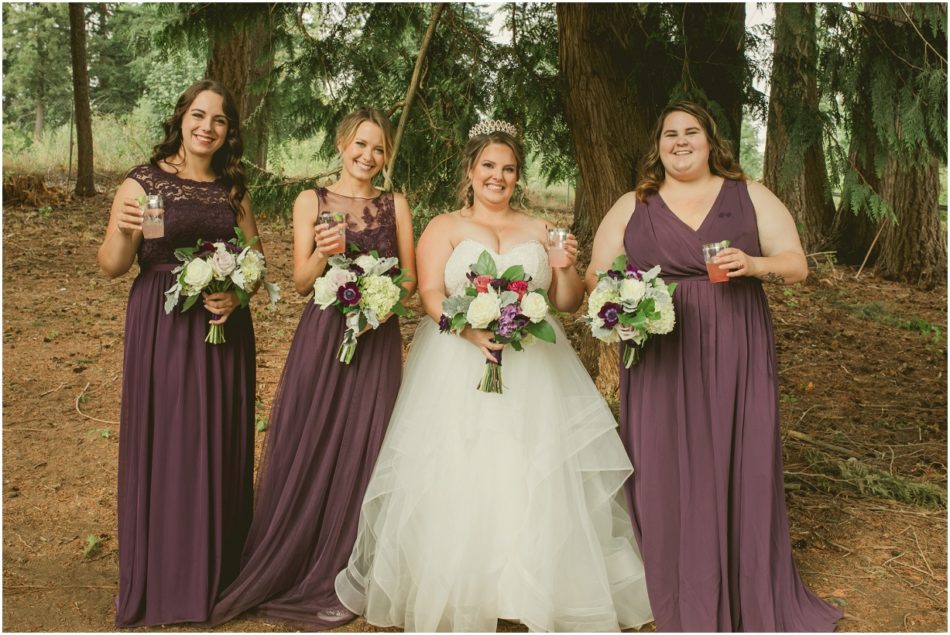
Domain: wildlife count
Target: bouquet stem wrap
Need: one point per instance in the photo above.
(348, 347)
(631, 355)
(491, 378)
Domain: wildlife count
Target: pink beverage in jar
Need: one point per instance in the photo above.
(153, 218)
(336, 220)
(710, 251)
(557, 257)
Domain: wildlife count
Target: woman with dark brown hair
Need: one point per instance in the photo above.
(699, 413)
(186, 435)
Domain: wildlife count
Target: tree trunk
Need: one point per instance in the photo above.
(715, 49)
(38, 120)
(914, 249)
(795, 170)
(256, 108)
(610, 120)
(85, 185)
(229, 60)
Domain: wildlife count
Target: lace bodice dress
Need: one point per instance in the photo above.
(186, 436)
(325, 429)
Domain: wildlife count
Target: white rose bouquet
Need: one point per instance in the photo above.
(501, 304)
(365, 289)
(215, 267)
(628, 306)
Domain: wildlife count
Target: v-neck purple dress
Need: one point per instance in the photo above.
(700, 419)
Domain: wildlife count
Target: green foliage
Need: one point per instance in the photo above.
(92, 547)
(884, 78)
(750, 157)
(36, 64)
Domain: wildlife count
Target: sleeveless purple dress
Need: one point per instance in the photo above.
(186, 432)
(700, 419)
(326, 427)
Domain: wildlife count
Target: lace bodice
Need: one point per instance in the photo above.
(193, 210)
(531, 255)
(370, 222)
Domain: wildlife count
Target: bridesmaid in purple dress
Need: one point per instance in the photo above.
(699, 413)
(186, 435)
(328, 419)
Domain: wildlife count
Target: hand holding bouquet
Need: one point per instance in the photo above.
(501, 304)
(219, 267)
(365, 289)
(629, 305)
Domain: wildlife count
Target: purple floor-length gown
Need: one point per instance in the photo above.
(186, 435)
(700, 419)
(326, 427)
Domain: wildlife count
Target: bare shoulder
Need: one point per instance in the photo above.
(621, 211)
(442, 225)
(762, 196)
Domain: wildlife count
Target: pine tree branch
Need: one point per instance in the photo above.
(926, 43)
(411, 91)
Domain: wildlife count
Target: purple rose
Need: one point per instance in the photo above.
(349, 294)
(499, 284)
(610, 314)
(393, 271)
(444, 323)
(614, 274)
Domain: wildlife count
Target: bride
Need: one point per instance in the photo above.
(486, 506)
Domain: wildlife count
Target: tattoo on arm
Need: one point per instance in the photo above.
(774, 277)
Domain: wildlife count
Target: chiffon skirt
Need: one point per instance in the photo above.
(486, 506)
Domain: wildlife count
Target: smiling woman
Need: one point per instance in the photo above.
(186, 431)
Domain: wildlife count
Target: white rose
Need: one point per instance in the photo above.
(365, 262)
(222, 263)
(198, 274)
(339, 277)
(667, 319)
(631, 290)
(483, 309)
(534, 307)
(324, 292)
(252, 265)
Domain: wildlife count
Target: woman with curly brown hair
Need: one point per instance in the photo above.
(186, 435)
(699, 413)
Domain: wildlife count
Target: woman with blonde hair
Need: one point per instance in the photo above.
(328, 418)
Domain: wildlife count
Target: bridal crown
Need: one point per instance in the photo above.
(493, 125)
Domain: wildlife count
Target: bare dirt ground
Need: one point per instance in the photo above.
(863, 391)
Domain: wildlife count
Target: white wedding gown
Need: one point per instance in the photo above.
(486, 506)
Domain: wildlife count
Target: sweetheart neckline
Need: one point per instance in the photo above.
(492, 251)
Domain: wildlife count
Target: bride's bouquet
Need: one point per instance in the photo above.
(364, 289)
(501, 304)
(215, 267)
(629, 306)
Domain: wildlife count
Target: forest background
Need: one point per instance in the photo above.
(851, 100)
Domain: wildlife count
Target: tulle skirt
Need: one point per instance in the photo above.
(486, 506)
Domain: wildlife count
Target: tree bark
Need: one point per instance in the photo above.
(609, 118)
(914, 249)
(411, 91)
(256, 110)
(795, 170)
(715, 50)
(85, 185)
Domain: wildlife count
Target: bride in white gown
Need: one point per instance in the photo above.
(486, 506)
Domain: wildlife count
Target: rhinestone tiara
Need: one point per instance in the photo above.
(493, 125)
